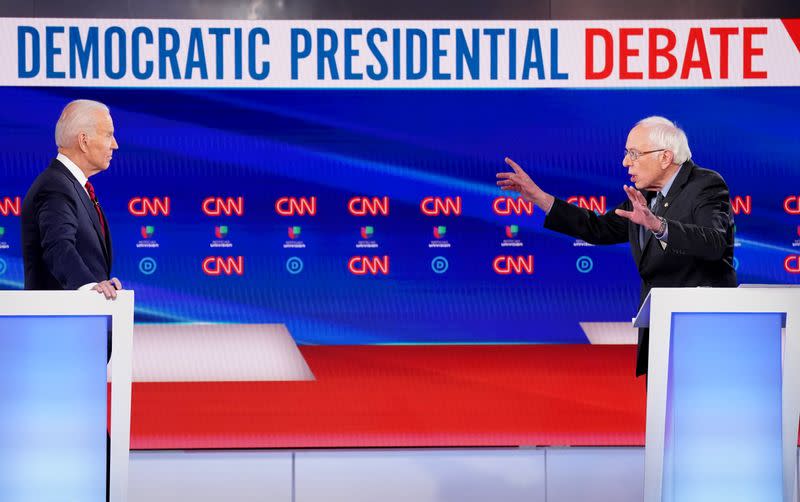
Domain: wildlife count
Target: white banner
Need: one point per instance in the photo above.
(399, 54)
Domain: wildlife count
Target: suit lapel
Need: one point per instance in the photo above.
(648, 234)
(677, 187)
(87, 204)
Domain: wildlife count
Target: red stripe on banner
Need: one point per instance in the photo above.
(409, 396)
(793, 28)
(399, 396)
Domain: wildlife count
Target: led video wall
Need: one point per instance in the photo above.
(363, 216)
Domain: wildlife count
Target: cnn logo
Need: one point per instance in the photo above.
(505, 206)
(217, 206)
(218, 265)
(369, 265)
(791, 204)
(296, 206)
(742, 205)
(437, 206)
(507, 265)
(149, 206)
(10, 206)
(374, 206)
(592, 203)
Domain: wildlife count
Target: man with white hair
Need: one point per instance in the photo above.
(677, 220)
(66, 242)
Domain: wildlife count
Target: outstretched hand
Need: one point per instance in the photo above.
(519, 181)
(640, 213)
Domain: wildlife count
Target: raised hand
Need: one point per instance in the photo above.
(640, 213)
(519, 181)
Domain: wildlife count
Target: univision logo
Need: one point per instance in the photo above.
(147, 232)
(512, 231)
(221, 237)
(439, 231)
(3, 231)
(294, 232)
(367, 232)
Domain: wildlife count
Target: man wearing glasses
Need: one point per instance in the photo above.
(677, 220)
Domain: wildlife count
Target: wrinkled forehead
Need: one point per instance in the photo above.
(103, 121)
(638, 138)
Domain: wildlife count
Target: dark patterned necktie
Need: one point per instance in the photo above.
(93, 197)
(654, 205)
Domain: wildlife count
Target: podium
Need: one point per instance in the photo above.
(53, 395)
(723, 395)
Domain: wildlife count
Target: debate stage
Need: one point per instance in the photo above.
(396, 423)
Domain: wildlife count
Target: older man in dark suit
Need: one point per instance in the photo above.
(66, 241)
(677, 220)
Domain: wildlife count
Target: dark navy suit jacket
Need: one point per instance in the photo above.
(699, 250)
(62, 242)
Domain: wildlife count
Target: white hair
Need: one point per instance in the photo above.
(77, 117)
(665, 134)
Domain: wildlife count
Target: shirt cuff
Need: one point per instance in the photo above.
(663, 237)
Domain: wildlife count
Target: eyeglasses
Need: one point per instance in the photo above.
(634, 155)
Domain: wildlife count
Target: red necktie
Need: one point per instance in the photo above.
(90, 189)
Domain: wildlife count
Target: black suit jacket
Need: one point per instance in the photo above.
(699, 250)
(62, 243)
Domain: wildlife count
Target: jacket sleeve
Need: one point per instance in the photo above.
(706, 238)
(58, 224)
(568, 219)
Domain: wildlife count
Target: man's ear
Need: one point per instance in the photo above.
(667, 158)
(83, 142)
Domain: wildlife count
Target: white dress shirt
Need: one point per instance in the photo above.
(82, 179)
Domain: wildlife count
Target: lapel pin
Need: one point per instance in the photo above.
(666, 204)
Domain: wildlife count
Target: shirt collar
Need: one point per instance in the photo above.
(72, 168)
(668, 184)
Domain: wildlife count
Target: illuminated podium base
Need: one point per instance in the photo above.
(53, 395)
(722, 402)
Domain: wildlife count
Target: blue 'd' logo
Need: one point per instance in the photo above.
(148, 266)
(584, 264)
(294, 265)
